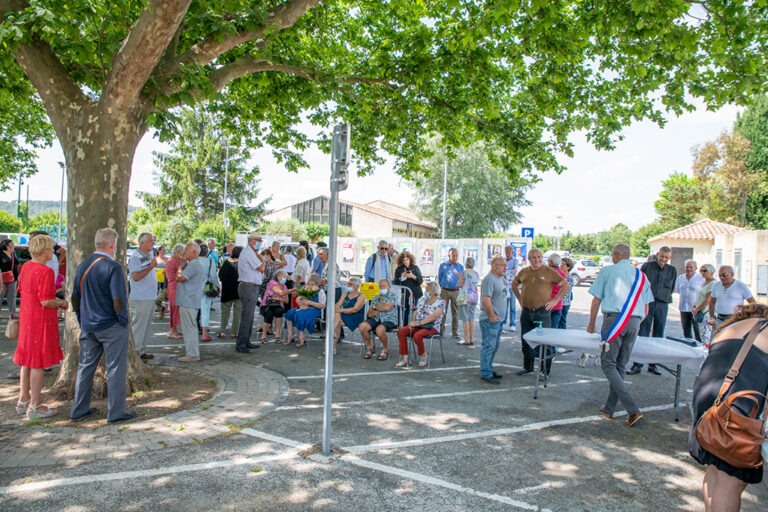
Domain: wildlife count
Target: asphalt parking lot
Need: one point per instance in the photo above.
(436, 439)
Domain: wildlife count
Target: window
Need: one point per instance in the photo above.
(719, 257)
(737, 264)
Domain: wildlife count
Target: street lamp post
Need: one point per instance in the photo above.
(226, 177)
(61, 201)
(445, 192)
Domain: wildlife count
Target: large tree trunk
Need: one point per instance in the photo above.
(99, 150)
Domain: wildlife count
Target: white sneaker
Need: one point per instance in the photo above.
(512, 329)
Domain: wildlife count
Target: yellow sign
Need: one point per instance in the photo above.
(160, 275)
(370, 290)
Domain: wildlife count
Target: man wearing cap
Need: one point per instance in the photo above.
(249, 269)
(379, 265)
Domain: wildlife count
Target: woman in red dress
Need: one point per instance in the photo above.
(38, 346)
(171, 267)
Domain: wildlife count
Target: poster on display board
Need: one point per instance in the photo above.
(520, 251)
(366, 249)
(444, 249)
(494, 251)
(427, 256)
(470, 252)
(405, 246)
(347, 252)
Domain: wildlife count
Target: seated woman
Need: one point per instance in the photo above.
(304, 316)
(429, 313)
(272, 303)
(349, 309)
(724, 483)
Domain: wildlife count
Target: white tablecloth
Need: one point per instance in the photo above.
(646, 350)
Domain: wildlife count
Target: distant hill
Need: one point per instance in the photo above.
(38, 207)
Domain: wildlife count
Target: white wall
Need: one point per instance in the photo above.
(754, 252)
(703, 250)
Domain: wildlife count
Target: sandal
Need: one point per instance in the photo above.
(402, 363)
(21, 407)
(422, 361)
(383, 356)
(289, 341)
(175, 336)
(206, 339)
(264, 340)
(368, 354)
(221, 335)
(33, 413)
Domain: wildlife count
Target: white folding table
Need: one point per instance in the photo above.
(661, 351)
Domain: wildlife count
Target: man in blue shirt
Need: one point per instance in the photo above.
(611, 290)
(99, 299)
(379, 265)
(509, 277)
(448, 276)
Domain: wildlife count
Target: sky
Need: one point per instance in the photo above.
(597, 190)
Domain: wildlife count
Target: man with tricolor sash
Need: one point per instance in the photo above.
(623, 293)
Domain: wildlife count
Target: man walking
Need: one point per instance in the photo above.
(448, 276)
(727, 295)
(533, 288)
(493, 293)
(378, 265)
(190, 280)
(662, 277)
(249, 270)
(616, 288)
(509, 276)
(99, 300)
(141, 268)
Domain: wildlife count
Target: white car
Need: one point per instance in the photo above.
(584, 270)
(605, 261)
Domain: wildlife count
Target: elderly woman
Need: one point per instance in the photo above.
(38, 345)
(301, 270)
(349, 309)
(171, 268)
(701, 304)
(566, 265)
(429, 313)
(723, 482)
(271, 307)
(269, 265)
(468, 286)
(230, 300)
(308, 310)
(408, 274)
(9, 266)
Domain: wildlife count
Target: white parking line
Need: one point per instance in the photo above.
(388, 372)
(435, 395)
(125, 475)
(490, 433)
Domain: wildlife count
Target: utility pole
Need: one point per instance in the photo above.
(61, 201)
(339, 177)
(26, 213)
(18, 201)
(445, 192)
(226, 177)
(559, 230)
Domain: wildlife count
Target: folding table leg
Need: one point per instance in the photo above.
(538, 372)
(678, 374)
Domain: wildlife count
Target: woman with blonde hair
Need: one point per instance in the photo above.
(38, 346)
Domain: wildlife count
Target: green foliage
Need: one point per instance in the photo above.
(681, 201)
(214, 228)
(291, 227)
(316, 231)
(46, 219)
(542, 242)
(9, 223)
(579, 244)
(618, 234)
(479, 198)
(752, 124)
(639, 240)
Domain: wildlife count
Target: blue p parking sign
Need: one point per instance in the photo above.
(527, 232)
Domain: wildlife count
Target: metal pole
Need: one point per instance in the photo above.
(26, 213)
(226, 178)
(61, 202)
(445, 192)
(18, 201)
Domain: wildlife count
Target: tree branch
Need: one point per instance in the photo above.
(146, 42)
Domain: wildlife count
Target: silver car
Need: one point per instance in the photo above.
(584, 270)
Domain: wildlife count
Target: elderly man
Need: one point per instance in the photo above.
(512, 264)
(662, 277)
(533, 288)
(249, 271)
(322, 257)
(99, 299)
(379, 265)
(382, 317)
(727, 295)
(493, 293)
(212, 254)
(687, 285)
(141, 268)
(190, 279)
(448, 276)
(612, 291)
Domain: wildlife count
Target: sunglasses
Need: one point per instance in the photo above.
(704, 271)
(723, 275)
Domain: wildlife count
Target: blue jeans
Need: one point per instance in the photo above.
(556, 316)
(491, 336)
(563, 323)
(510, 312)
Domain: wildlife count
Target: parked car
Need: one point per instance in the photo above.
(605, 261)
(584, 270)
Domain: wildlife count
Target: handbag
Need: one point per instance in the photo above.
(210, 289)
(461, 300)
(12, 329)
(723, 430)
(7, 276)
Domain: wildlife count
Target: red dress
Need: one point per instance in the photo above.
(38, 345)
(171, 267)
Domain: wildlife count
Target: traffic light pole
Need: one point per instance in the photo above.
(339, 163)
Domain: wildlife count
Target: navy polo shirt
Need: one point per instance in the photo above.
(104, 283)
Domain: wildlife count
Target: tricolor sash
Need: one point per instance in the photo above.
(626, 311)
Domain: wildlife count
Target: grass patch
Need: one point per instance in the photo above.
(137, 394)
(257, 469)
(179, 428)
(149, 383)
(234, 429)
(124, 428)
(38, 422)
(206, 407)
(163, 444)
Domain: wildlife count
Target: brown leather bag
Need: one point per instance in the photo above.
(726, 433)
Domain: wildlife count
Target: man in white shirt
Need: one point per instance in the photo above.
(249, 270)
(727, 295)
(687, 285)
(143, 280)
